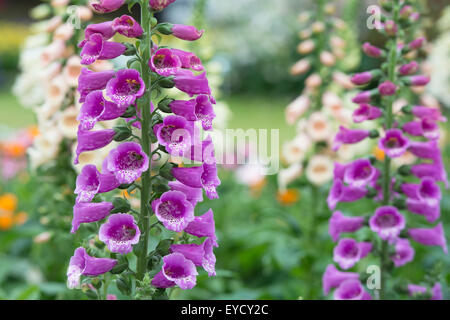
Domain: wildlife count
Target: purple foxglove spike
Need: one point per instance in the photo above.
(203, 226)
(159, 5)
(119, 233)
(340, 193)
(127, 162)
(87, 184)
(191, 84)
(175, 134)
(105, 29)
(340, 224)
(160, 281)
(351, 290)
(425, 150)
(348, 252)
(108, 182)
(105, 6)
(360, 173)
(417, 80)
(430, 236)
(417, 43)
(89, 81)
(193, 195)
(204, 111)
(332, 278)
(96, 48)
(174, 210)
(427, 112)
(201, 255)
(404, 253)
(165, 62)
(409, 68)
(366, 112)
(387, 88)
(363, 97)
(84, 212)
(349, 136)
(387, 222)
(433, 170)
(83, 264)
(178, 269)
(188, 60)
(394, 143)
(126, 87)
(431, 211)
(127, 26)
(188, 33)
(184, 109)
(371, 50)
(93, 140)
(362, 78)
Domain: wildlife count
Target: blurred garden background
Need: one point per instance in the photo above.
(264, 251)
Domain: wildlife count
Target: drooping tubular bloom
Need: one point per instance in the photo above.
(176, 134)
(96, 48)
(174, 210)
(176, 270)
(191, 84)
(204, 176)
(332, 278)
(120, 233)
(93, 140)
(200, 254)
(188, 33)
(348, 252)
(90, 81)
(430, 236)
(105, 6)
(127, 26)
(387, 222)
(349, 136)
(394, 143)
(85, 212)
(193, 195)
(351, 290)
(126, 87)
(199, 108)
(340, 224)
(404, 253)
(203, 226)
(366, 112)
(90, 182)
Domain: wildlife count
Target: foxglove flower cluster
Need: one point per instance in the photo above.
(401, 193)
(149, 131)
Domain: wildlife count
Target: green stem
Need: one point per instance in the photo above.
(144, 105)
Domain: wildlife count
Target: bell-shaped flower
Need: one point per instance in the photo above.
(348, 252)
(404, 253)
(339, 224)
(165, 62)
(126, 87)
(93, 140)
(96, 48)
(193, 195)
(173, 210)
(90, 81)
(435, 170)
(341, 193)
(203, 226)
(176, 134)
(191, 84)
(366, 112)
(332, 278)
(159, 5)
(427, 112)
(351, 289)
(394, 143)
(387, 222)
(188, 60)
(105, 6)
(85, 212)
(176, 270)
(349, 136)
(200, 254)
(426, 127)
(430, 236)
(204, 176)
(119, 233)
(425, 150)
(90, 182)
(360, 173)
(127, 26)
(105, 29)
(199, 108)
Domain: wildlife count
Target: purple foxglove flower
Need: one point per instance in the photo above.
(430, 236)
(363, 97)
(202, 152)
(371, 50)
(431, 211)
(176, 134)
(394, 143)
(425, 150)
(434, 170)
(351, 290)
(127, 162)
(349, 136)
(173, 210)
(93, 140)
(366, 112)
(177, 270)
(360, 173)
(191, 84)
(348, 252)
(83, 264)
(340, 193)
(188, 60)
(427, 112)
(105, 6)
(200, 254)
(90, 182)
(193, 195)
(127, 26)
(126, 87)
(204, 176)
(96, 108)
(199, 108)
(89, 81)
(416, 43)
(387, 88)
(436, 292)
(119, 233)
(188, 33)
(425, 127)
(417, 80)
(165, 62)
(361, 78)
(96, 48)
(203, 226)
(387, 222)
(84, 212)
(340, 223)
(409, 68)
(158, 5)
(404, 253)
(105, 29)
(332, 278)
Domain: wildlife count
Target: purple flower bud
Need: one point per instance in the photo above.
(126, 87)
(203, 226)
(387, 88)
(96, 48)
(83, 264)
(332, 278)
(105, 29)
(430, 236)
(404, 253)
(406, 11)
(371, 50)
(173, 210)
(127, 162)
(387, 222)
(193, 195)
(176, 134)
(366, 112)
(176, 270)
(90, 81)
(394, 143)
(409, 68)
(105, 6)
(84, 212)
(165, 62)
(351, 290)
(204, 176)
(188, 60)
(349, 136)
(159, 5)
(199, 108)
(427, 112)
(427, 128)
(200, 254)
(417, 80)
(391, 28)
(127, 26)
(191, 84)
(93, 140)
(417, 43)
(188, 33)
(348, 252)
(340, 223)
(340, 193)
(119, 233)
(362, 78)
(363, 97)
(360, 173)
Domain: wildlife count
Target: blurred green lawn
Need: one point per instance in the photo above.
(12, 114)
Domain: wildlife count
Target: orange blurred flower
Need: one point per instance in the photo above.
(6, 220)
(8, 202)
(378, 153)
(8, 205)
(288, 197)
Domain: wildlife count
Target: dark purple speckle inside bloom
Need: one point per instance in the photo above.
(122, 233)
(131, 161)
(128, 87)
(349, 249)
(170, 210)
(387, 220)
(176, 272)
(352, 292)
